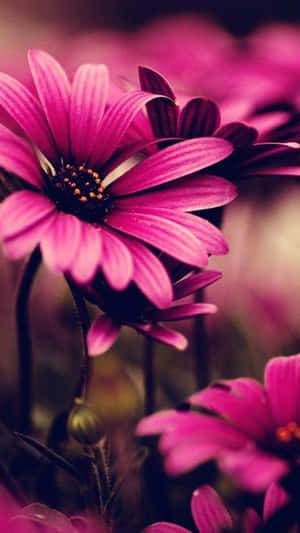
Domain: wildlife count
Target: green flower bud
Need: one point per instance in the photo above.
(84, 425)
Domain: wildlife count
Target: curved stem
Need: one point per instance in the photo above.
(84, 321)
(202, 366)
(24, 341)
(149, 376)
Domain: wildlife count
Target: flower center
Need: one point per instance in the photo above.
(78, 190)
(289, 434)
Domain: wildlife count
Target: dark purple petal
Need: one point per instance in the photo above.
(164, 335)
(18, 157)
(211, 237)
(198, 118)
(61, 242)
(195, 282)
(88, 256)
(181, 312)
(88, 101)
(54, 91)
(163, 234)
(149, 274)
(117, 262)
(162, 113)
(193, 193)
(238, 133)
(26, 110)
(115, 123)
(282, 382)
(172, 163)
(102, 334)
(209, 513)
(267, 159)
(251, 521)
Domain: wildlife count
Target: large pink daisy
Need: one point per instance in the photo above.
(73, 207)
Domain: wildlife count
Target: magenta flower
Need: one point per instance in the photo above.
(211, 516)
(135, 309)
(253, 433)
(75, 210)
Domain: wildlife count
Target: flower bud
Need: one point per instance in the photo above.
(84, 425)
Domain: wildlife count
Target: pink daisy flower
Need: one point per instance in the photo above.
(134, 307)
(211, 516)
(75, 210)
(253, 433)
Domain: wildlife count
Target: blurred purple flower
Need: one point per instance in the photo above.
(253, 431)
(75, 210)
(211, 516)
(135, 309)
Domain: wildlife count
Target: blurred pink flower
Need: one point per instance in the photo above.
(253, 431)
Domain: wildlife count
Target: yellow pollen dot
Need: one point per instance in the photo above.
(95, 175)
(66, 180)
(83, 199)
(99, 196)
(74, 174)
(77, 191)
(177, 102)
(81, 168)
(90, 171)
(87, 183)
(73, 184)
(68, 166)
(97, 180)
(92, 194)
(100, 189)
(284, 435)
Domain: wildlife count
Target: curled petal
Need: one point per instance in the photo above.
(198, 118)
(164, 335)
(102, 335)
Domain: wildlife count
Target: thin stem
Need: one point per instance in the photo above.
(202, 366)
(149, 376)
(24, 341)
(84, 320)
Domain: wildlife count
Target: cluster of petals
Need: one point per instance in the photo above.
(76, 138)
(211, 515)
(252, 430)
(131, 308)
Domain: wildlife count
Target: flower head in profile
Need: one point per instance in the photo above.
(143, 306)
(253, 430)
(211, 516)
(75, 208)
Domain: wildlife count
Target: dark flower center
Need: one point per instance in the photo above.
(79, 190)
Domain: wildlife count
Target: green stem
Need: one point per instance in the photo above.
(149, 376)
(24, 341)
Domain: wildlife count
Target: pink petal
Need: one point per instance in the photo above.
(209, 513)
(88, 256)
(211, 237)
(61, 242)
(187, 456)
(164, 335)
(188, 194)
(198, 118)
(282, 382)
(149, 274)
(156, 423)
(115, 123)
(54, 91)
(165, 527)
(23, 242)
(26, 110)
(88, 101)
(253, 470)
(276, 497)
(181, 312)
(102, 335)
(251, 521)
(18, 157)
(233, 400)
(162, 113)
(195, 282)
(117, 264)
(165, 235)
(22, 210)
(172, 163)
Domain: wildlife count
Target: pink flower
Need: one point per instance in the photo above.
(134, 307)
(253, 431)
(211, 516)
(75, 209)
